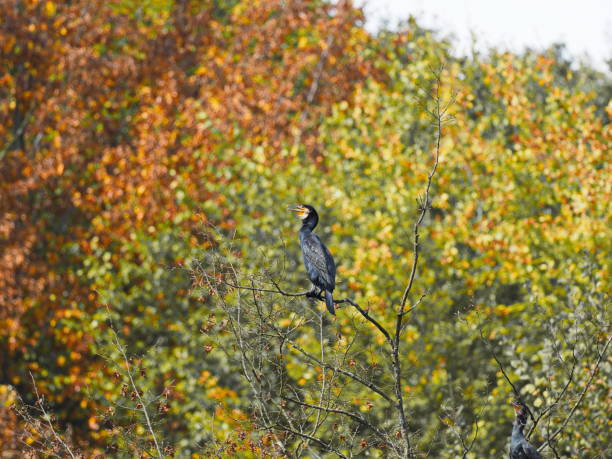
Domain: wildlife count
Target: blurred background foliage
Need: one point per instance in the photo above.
(136, 136)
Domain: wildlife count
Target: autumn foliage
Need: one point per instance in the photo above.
(135, 137)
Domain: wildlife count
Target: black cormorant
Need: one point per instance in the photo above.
(520, 448)
(317, 259)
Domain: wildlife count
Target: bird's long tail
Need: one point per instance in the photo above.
(329, 302)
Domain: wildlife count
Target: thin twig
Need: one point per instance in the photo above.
(516, 392)
(559, 396)
(367, 316)
(327, 446)
(550, 445)
(318, 422)
(47, 418)
(237, 330)
(580, 398)
(424, 207)
(263, 290)
(467, 449)
(348, 414)
(412, 308)
(438, 116)
(136, 391)
(349, 374)
(280, 291)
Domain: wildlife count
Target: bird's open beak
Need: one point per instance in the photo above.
(298, 209)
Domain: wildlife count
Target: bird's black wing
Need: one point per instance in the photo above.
(524, 450)
(530, 451)
(319, 262)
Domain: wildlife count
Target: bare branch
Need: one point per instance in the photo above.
(412, 308)
(327, 446)
(467, 449)
(318, 422)
(581, 396)
(349, 374)
(424, 205)
(280, 291)
(348, 414)
(263, 290)
(47, 418)
(557, 398)
(550, 445)
(144, 410)
(517, 393)
(367, 316)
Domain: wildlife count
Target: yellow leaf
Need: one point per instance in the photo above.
(50, 8)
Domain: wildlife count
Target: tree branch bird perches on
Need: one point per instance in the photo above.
(520, 448)
(317, 259)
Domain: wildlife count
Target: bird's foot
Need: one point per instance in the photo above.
(316, 293)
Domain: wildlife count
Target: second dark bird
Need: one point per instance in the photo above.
(317, 259)
(520, 448)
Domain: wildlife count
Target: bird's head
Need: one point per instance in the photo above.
(301, 210)
(520, 409)
(306, 213)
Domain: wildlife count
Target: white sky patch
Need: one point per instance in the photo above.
(584, 26)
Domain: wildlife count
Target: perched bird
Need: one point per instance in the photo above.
(520, 448)
(317, 259)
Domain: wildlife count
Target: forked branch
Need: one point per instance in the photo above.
(143, 406)
(47, 417)
(365, 313)
(600, 358)
(439, 114)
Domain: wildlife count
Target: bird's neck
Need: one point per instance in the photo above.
(308, 226)
(517, 428)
